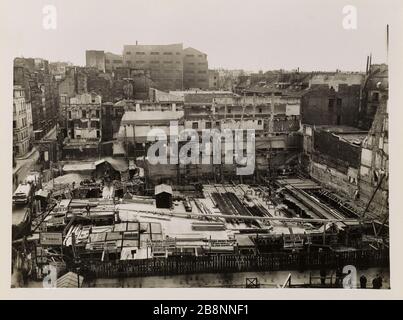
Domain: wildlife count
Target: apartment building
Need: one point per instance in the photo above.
(83, 126)
(22, 122)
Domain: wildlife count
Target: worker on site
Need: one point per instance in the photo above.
(88, 208)
(363, 282)
(377, 282)
(323, 276)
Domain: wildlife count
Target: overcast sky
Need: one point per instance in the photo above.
(249, 34)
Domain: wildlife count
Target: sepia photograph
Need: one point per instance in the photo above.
(199, 144)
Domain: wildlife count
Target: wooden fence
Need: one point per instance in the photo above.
(175, 265)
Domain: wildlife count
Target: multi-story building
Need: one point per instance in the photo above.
(95, 59)
(322, 105)
(374, 167)
(83, 115)
(113, 61)
(195, 69)
(40, 91)
(58, 69)
(213, 80)
(22, 122)
(165, 63)
(374, 89)
(274, 119)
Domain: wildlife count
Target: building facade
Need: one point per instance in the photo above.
(22, 125)
(213, 80)
(113, 61)
(165, 63)
(324, 105)
(95, 59)
(83, 121)
(195, 69)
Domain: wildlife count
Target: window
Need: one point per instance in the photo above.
(208, 125)
(154, 53)
(167, 62)
(260, 110)
(128, 52)
(217, 123)
(331, 103)
(107, 61)
(84, 114)
(229, 110)
(140, 53)
(339, 102)
(167, 53)
(95, 124)
(259, 122)
(14, 124)
(155, 61)
(69, 114)
(189, 55)
(97, 113)
(195, 125)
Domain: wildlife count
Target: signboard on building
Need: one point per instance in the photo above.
(51, 238)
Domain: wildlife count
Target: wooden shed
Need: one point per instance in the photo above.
(163, 196)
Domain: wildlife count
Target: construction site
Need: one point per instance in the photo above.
(94, 210)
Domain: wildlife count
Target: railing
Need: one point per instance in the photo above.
(234, 263)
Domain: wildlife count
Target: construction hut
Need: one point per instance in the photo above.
(163, 196)
(109, 167)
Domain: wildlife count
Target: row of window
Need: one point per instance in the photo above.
(24, 123)
(192, 55)
(84, 114)
(195, 125)
(331, 102)
(196, 80)
(22, 148)
(193, 71)
(21, 135)
(113, 61)
(153, 53)
(199, 63)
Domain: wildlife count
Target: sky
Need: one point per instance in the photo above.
(250, 34)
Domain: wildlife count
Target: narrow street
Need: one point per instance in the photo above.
(22, 169)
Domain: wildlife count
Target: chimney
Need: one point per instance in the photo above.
(387, 43)
(136, 42)
(367, 68)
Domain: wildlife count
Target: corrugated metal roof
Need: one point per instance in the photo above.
(136, 116)
(69, 280)
(83, 166)
(117, 164)
(163, 188)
